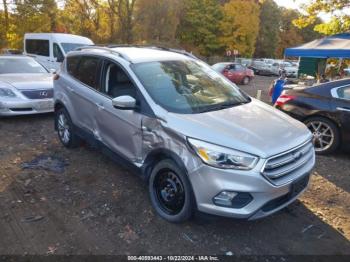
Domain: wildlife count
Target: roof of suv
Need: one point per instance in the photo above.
(139, 54)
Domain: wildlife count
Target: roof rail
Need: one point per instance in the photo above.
(183, 52)
(109, 49)
(105, 48)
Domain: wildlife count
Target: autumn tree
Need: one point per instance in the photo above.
(240, 26)
(199, 26)
(339, 23)
(270, 20)
(290, 35)
(157, 20)
(125, 11)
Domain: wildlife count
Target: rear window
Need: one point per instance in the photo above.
(38, 47)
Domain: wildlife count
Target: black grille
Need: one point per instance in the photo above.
(38, 94)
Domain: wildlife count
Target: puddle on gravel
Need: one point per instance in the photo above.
(46, 162)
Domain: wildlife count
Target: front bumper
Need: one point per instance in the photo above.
(21, 106)
(267, 198)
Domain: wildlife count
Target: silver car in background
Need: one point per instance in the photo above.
(195, 137)
(26, 87)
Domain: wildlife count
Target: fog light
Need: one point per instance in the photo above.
(224, 198)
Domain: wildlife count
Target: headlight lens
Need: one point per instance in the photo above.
(6, 92)
(222, 157)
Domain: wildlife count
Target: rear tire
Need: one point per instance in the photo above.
(326, 134)
(65, 129)
(171, 192)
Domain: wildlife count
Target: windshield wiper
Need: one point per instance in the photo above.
(222, 106)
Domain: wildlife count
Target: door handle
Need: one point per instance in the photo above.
(100, 106)
(346, 109)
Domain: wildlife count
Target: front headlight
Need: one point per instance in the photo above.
(6, 92)
(222, 157)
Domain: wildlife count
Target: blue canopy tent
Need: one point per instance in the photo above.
(335, 46)
(314, 55)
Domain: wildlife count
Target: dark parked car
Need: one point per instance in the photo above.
(235, 72)
(325, 109)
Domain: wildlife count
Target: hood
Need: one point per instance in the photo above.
(28, 81)
(255, 128)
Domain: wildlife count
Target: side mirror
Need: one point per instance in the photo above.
(52, 71)
(124, 102)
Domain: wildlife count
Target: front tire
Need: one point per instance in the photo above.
(65, 129)
(171, 192)
(326, 137)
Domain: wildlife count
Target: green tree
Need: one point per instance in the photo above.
(200, 26)
(270, 20)
(240, 26)
(339, 23)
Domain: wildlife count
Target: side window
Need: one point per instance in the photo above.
(57, 53)
(344, 92)
(232, 68)
(38, 47)
(72, 64)
(116, 82)
(88, 70)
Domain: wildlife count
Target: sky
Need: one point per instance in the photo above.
(291, 3)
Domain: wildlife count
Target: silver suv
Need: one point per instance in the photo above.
(196, 138)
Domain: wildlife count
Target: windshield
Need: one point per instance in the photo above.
(67, 47)
(187, 86)
(20, 65)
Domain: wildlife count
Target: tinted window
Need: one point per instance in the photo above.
(88, 70)
(57, 53)
(187, 86)
(38, 47)
(72, 64)
(20, 65)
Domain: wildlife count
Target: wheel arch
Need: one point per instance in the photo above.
(330, 119)
(57, 106)
(157, 155)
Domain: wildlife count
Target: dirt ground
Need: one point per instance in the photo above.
(88, 204)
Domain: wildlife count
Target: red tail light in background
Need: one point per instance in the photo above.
(284, 99)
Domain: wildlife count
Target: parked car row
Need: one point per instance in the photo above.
(274, 67)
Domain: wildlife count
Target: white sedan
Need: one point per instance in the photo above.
(26, 87)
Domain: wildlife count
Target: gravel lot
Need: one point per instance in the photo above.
(80, 202)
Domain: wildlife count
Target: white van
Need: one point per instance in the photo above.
(50, 49)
